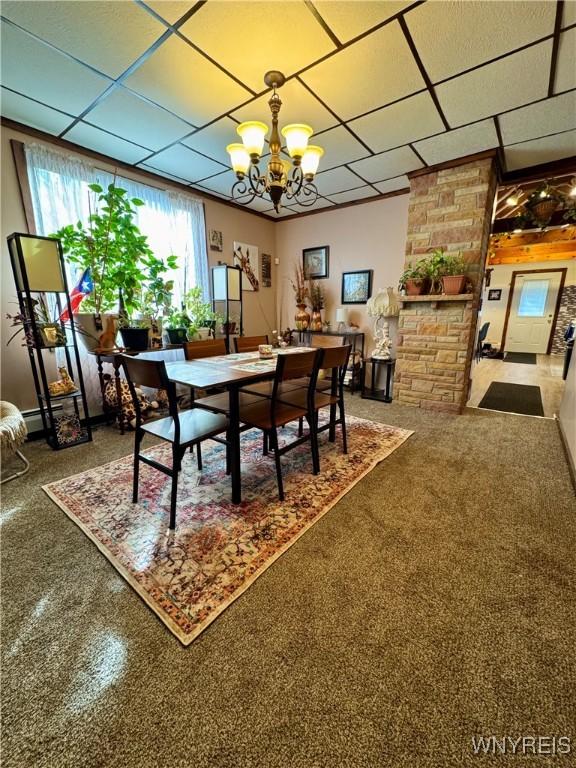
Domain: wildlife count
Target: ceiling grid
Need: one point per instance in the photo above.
(390, 87)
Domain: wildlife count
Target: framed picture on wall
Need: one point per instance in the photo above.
(215, 239)
(494, 294)
(315, 262)
(356, 286)
(266, 270)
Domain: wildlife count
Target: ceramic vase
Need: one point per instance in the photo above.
(316, 322)
(302, 318)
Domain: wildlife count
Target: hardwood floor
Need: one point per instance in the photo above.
(546, 374)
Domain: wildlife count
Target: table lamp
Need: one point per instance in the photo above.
(382, 306)
(342, 319)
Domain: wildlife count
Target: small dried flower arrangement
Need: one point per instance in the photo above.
(299, 286)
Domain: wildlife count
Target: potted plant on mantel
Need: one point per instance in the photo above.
(452, 272)
(114, 250)
(414, 280)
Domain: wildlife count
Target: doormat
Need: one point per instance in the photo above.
(529, 358)
(190, 575)
(513, 398)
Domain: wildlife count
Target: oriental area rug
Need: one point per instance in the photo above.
(190, 575)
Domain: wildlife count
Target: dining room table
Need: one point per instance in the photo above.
(231, 372)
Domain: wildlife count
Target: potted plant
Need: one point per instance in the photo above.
(414, 280)
(453, 274)
(157, 295)
(112, 247)
(177, 324)
(202, 318)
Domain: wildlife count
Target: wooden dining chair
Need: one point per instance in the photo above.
(249, 343)
(335, 360)
(182, 429)
(267, 414)
(196, 350)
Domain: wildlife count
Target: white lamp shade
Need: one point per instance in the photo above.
(342, 315)
(311, 160)
(252, 134)
(239, 157)
(296, 135)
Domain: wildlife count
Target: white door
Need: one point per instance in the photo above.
(532, 312)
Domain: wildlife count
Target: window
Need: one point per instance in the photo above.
(172, 222)
(533, 298)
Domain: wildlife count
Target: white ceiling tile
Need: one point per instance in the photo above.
(336, 180)
(222, 183)
(411, 119)
(186, 83)
(170, 10)
(484, 30)
(184, 162)
(249, 38)
(497, 87)
(284, 211)
(320, 203)
(46, 74)
(569, 13)
(459, 142)
(133, 118)
(401, 182)
(345, 83)
(164, 174)
(98, 140)
(549, 116)
(298, 106)
(339, 147)
(214, 139)
(566, 66)
(92, 31)
(393, 163)
(349, 19)
(353, 194)
(31, 113)
(540, 151)
(259, 204)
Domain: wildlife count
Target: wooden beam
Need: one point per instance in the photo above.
(533, 253)
(533, 238)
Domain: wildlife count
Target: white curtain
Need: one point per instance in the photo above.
(173, 223)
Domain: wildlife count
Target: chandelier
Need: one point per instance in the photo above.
(293, 180)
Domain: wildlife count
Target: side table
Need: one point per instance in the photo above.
(376, 364)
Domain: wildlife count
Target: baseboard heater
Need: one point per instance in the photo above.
(33, 419)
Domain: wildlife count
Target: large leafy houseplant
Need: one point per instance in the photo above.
(112, 247)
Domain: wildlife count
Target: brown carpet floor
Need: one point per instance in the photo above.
(434, 603)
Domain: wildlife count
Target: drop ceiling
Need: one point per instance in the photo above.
(389, 87)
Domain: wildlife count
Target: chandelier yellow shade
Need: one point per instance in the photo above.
(239, 158)
(311, 160)
(296, 135)
(252, 134)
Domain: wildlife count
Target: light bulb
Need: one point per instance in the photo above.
(252, 134)
(311, 160)
(239, 158)
(512, 200)
(296, 136)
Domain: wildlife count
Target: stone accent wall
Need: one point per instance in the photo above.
(449, 209)
(566, 314)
